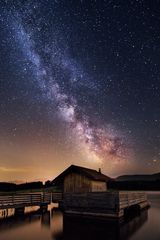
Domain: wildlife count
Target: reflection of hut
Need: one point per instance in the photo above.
(93, 228)
(80, 179)
(45, 219)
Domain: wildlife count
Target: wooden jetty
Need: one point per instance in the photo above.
(22, 200)
(19, 201)
(104, 204)
(101, 204)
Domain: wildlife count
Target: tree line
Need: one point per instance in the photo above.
(134, 185)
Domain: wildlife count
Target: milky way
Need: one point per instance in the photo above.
(101, 142)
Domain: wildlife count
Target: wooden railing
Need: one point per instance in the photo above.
(16, 200)
(127, 199)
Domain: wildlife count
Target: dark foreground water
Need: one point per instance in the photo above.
(52, 225)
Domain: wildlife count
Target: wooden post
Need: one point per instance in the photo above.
(19, 211)
(43, 207)
(31, 199)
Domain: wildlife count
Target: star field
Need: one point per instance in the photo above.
(79, 84)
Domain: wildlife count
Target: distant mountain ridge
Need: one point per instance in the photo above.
(139, 177)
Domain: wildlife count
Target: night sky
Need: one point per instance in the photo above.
(79, 84)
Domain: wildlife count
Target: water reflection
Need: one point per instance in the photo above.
(15, 221)
(54, 226)
(89, 228)
(46, 219)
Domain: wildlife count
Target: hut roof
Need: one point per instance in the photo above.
(90, 173)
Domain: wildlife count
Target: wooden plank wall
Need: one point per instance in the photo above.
(102, 202)
(57, 196)
(93, 201)
(77, 183)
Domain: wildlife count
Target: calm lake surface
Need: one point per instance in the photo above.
(52, 225)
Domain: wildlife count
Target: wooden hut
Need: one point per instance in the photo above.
(80, 179)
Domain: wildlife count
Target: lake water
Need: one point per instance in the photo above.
(52, 225)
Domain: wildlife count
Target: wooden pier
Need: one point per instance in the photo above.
(101, 204)
(20, 201)
(104, 204)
